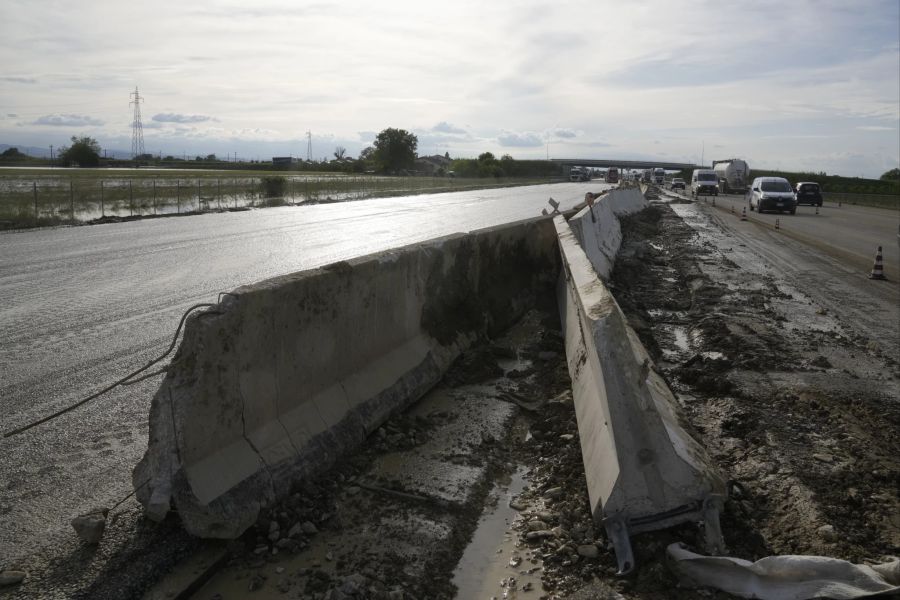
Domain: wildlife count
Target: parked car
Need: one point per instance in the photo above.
(677, 182)
(772, 193)
(808, 192)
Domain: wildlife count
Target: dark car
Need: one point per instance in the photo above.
(677, 183)
(808, 192)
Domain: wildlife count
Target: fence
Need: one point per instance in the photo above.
(50, 200)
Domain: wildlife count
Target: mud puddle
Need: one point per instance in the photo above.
(424, 509)
(492, 565)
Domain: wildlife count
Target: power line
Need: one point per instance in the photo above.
(137, 128)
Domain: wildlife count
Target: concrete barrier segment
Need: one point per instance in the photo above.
(290, 373)
(597, 227)
(644, 471)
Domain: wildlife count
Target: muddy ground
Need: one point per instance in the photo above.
(793, 405)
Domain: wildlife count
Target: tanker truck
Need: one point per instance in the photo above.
(734, 175)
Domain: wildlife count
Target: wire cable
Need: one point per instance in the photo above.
(123, 381)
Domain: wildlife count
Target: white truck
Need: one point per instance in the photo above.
(733, 173)
(659, 176)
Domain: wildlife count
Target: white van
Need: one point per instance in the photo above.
(704, 181)
(772, 193)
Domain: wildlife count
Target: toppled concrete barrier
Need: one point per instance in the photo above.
(597, 227)
(290, 373)
(644, 472)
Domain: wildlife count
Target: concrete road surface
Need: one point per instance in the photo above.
(82, 306)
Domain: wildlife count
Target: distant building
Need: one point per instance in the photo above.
(431, 165)
(282, 161)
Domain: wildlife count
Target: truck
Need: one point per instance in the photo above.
(647, 176)
(659, 176)
(733, 174)
(612, 175)
(579, 174)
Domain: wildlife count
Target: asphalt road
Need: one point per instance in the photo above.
(829, 256)
(82, 306)
(848, 233)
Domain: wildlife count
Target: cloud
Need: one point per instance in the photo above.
(564, 133)
(67, 120)
(875, 128)
(19, 79)
(520, 140)
(445, 127)
(179, 118)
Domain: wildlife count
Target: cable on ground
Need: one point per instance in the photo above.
(127, 380)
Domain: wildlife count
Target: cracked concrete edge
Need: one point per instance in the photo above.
(639, 460)
(224, 442)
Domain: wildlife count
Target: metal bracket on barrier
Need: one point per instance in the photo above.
(712, 505)
(617, 531)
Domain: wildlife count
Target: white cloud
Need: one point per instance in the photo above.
(67, 121)
(520, 140)
(179, 118)
(445, 127)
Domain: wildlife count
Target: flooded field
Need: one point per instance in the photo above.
(51, 196)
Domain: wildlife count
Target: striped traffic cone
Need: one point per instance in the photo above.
(744, 214)
(777, 224)
(732, 209)
(877, 268)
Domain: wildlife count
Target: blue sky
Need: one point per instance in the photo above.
(800, 85)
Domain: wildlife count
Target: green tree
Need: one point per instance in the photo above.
(892, 175)
(84, 152)
(12, 153)
(395, 149)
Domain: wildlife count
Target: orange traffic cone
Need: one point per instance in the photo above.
(877, 268)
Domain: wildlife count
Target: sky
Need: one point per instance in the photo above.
(798, 85)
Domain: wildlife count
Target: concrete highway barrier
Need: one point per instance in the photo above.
(288, 374)
(644, 471)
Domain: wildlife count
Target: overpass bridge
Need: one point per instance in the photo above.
(623, 164)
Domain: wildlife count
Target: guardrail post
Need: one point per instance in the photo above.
(154, 196)
(72, 198)
(101, 199)
(34, 189)
(219, 192)
(130, 198)
(199, 207)
(178, 195)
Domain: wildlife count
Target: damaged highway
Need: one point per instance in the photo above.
(564, 407)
